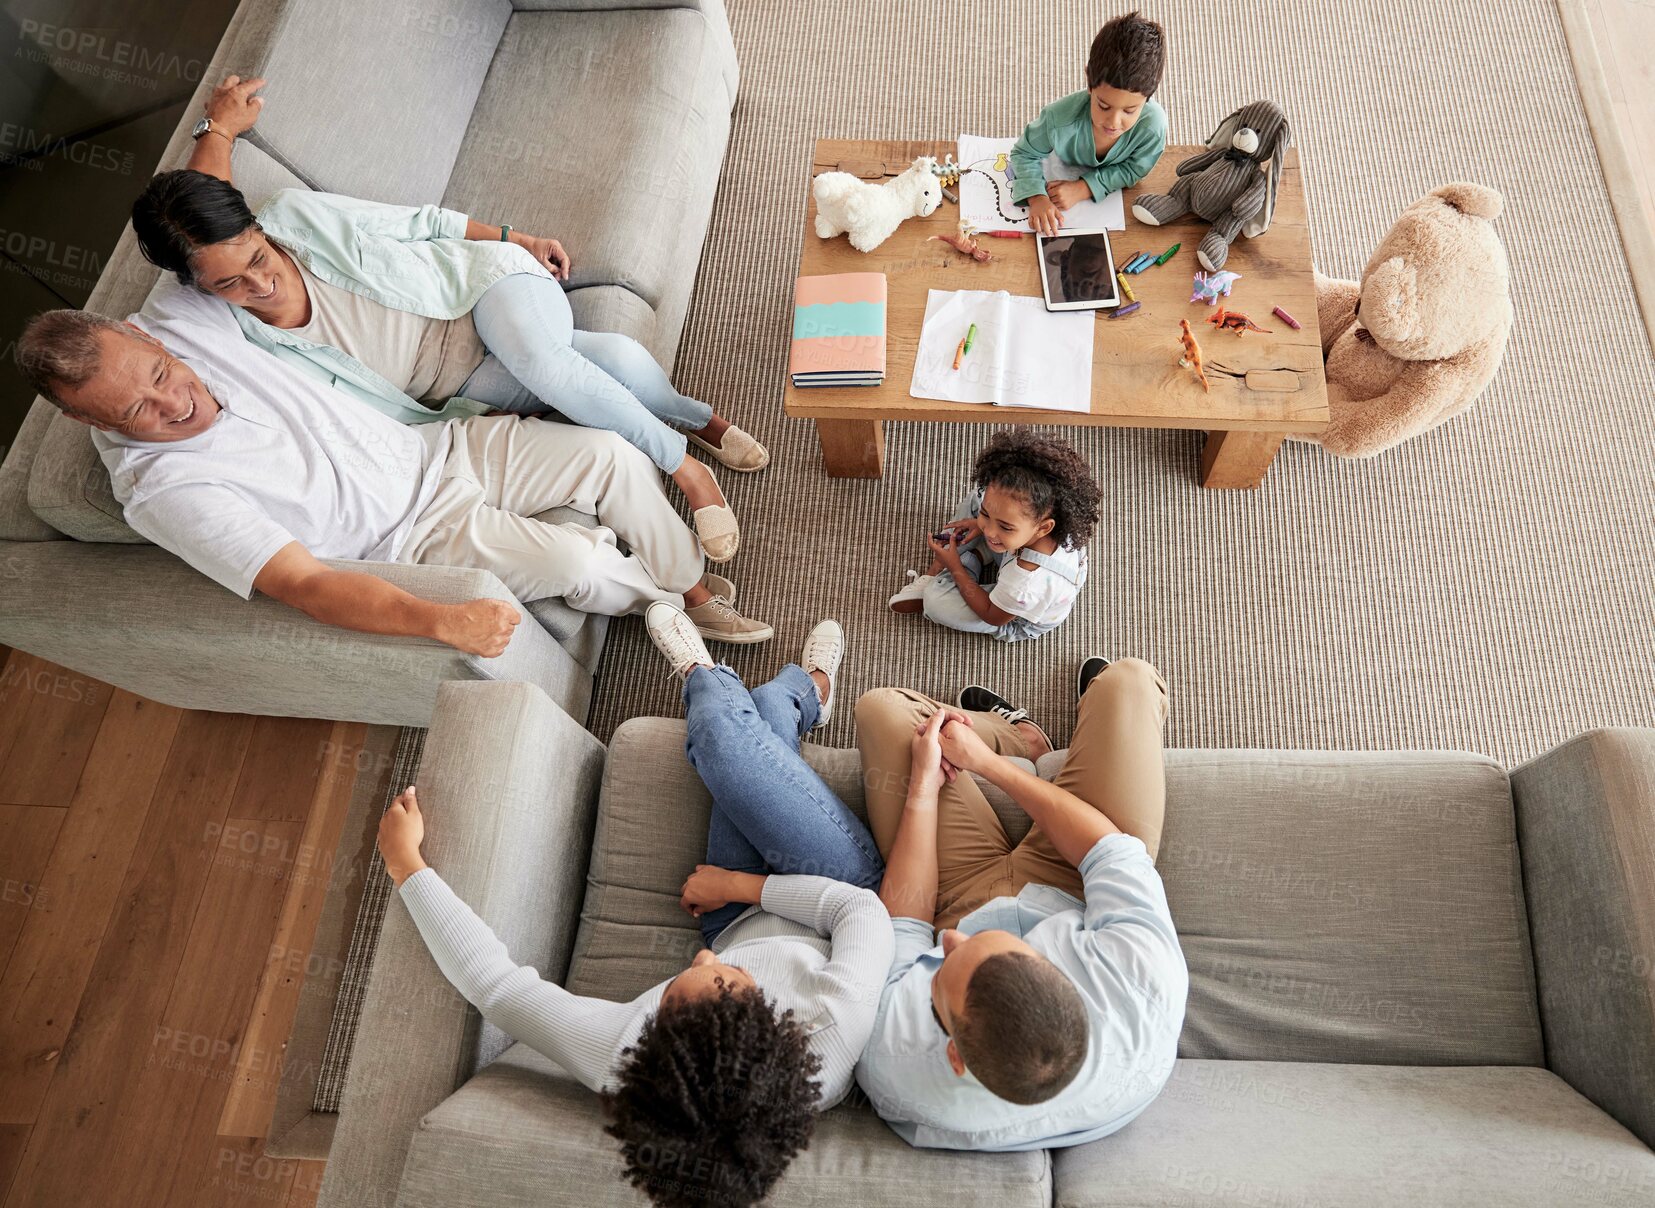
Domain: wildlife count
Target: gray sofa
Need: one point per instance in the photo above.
(1415, 979)
(512, 110)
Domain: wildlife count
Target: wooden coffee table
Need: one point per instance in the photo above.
(1263, 386)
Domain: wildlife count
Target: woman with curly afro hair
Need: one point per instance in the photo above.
(1013, 560)
(713, 1078)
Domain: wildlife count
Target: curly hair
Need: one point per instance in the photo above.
(714, 1100)
(1049, 475)
(1129, 53)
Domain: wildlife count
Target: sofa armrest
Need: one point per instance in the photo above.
(509, 787)
(137, 617)
(1586, 830)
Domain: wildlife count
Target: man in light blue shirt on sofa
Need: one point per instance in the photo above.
(1046, 1010)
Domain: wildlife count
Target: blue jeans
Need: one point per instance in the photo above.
(771, 812)
(538, 362)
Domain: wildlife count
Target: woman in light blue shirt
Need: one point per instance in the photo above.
(424, 313)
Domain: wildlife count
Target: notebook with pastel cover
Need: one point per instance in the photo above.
(839, 330)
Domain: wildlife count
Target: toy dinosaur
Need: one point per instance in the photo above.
(1191, 359)
(966, 245)
(1210, 287)
(1234, 320)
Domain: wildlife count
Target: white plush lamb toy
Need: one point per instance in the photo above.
(869, 212)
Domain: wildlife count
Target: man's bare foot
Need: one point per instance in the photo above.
(1035, 739)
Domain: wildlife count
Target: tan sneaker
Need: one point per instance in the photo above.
(718, 622)
(737, 450)
(719, 586)
(720, 535)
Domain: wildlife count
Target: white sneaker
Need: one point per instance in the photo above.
(914, 590)
(824, 651)
(676, 637)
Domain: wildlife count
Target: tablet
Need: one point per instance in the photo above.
(1077, 270)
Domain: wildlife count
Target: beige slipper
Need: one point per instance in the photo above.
(719, 533)
(737, 450)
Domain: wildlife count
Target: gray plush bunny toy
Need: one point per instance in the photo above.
(1232, 184)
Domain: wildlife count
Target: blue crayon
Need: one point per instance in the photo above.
(1140, 264)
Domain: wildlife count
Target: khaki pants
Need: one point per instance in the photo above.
(503, 470)
(1114, 765)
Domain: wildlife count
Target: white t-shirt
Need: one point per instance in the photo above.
(288, 459)
(1041, 596)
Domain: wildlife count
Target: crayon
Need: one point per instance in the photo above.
(1141, 263)
(1168, 254)
(1004, 234)
(1285, 317)
(1127, 267)
(970, 335)
(1126, 290)
(1123, 311)
(959, 352)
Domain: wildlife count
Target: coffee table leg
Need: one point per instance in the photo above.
(852, 448)
(1237, 460)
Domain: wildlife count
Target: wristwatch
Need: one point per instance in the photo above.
(205, 126)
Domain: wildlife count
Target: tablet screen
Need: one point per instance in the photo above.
(1077, 271)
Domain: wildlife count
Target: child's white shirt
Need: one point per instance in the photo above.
(1042, 596)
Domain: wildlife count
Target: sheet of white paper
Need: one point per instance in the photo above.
(1023, 355)
(977, 195)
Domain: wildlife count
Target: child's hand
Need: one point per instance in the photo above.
(1044, 217)
(1065, 193)
(947, 551)
(966, 531)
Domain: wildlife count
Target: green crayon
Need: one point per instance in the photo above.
(1168, 254)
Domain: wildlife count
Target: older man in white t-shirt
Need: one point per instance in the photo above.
(251, 472)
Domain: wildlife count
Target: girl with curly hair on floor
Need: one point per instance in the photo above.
(1013, 559)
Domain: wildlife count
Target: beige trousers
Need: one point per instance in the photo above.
(1114, 764)
(503, 470)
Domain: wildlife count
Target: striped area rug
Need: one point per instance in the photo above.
(1490, 586)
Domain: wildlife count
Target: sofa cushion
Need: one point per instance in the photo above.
(1349, 906)
(524, 1131)
(651, 833)
(69, 488)
(619, 160)
(18, 521)
(395, 140)
(1284, 1133)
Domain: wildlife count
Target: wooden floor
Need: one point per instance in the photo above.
(154, 904)
(155, 909)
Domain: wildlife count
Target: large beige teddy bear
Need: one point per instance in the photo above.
(1420, 336)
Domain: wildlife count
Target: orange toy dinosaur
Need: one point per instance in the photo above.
(1234, 320)
(1192, 354)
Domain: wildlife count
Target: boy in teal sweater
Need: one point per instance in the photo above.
(1113, 132)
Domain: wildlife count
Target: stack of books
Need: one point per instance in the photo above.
(839, 330)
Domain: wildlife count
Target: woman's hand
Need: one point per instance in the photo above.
(1065, 193)
(401, 831)
(962, 747)
(233, 107)
(709, 887)
(928, 770)
(1044, 217)
(548, 251)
